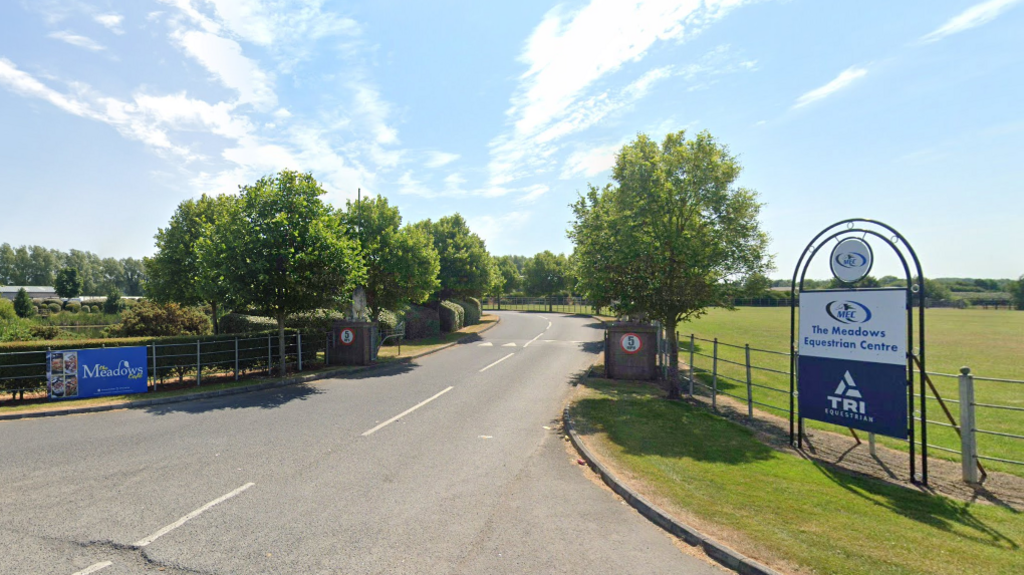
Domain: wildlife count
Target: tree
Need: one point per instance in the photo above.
(672, 237)
(1017, 291)
(113, 302)
(867, 281)
(68, 285)
(545, 274)
(133, 277)
(464, 261)
(177, 273)
(510, 279)
(23, 304)
(152, 319)
(401, 262)
(281, 250)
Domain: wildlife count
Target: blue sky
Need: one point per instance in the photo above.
(909, 112)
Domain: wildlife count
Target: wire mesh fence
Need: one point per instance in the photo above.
(563, 304)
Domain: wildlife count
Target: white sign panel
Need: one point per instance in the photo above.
(851, 260)
(854, 325)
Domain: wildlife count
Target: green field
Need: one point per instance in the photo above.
(791, 513)
(990, 342)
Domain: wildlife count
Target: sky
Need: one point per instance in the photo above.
(911, 113)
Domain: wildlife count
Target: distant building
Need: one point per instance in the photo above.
(33, 291)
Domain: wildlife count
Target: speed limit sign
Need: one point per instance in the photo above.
(347, 336)
(631, 343)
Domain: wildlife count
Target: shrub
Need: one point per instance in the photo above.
(7, 310)
(73, 307)
(453, 317)
(319, 320)
(48, 332)
(23, 305)
(14, 330)
(388, 320)
(421, 322)
(471, 307)
(158, 320)
(36, 301)
(242, 323)
(53, 307)
(128, 303)
(113, 303)
(51, 300)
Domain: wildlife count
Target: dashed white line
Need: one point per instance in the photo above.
(486, 344)
(410, 410)
(94, 568)
(548, 327)
(185, 519)
(497, 362)
(509, 344)
(534, 339)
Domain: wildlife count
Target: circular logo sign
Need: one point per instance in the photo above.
(631, 343)
(347, 336)
(851, 260)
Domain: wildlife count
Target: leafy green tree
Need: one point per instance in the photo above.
(510, 278)
(401, 262)
(867, 281)
(280, 250)
(1017, 291)
(151, 319)
(465, 263)
(23, 304)
(672, 237)
(133, 277)
(177, 273)
(113, 303)
(68, 284)
(545, 274)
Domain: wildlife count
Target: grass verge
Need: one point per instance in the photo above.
(788, 512)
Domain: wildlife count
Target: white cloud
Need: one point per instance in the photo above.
(111, 22)
(533, 193)
(270, 22)
(76, 40)
(589, 163)
(843, 80)
(493, 228)
(569, 52)
(224, 59)
(974, 16)
(437, 159)
(282, 114)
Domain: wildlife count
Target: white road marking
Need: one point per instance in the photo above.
(410, 410)
(487, 344)
(190, 516)
(542, 317)
(497, 362)
(509, 344)
(548, 327)
(94, 568)
(534, 339)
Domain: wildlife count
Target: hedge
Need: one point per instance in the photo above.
(317, 320)
(176, 356)
(74, 307)
(453, 317)
(388, 320)
(421, 322)
(471, 307)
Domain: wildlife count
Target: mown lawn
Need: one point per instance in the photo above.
(787, 512)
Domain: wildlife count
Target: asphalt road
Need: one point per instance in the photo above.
(322, 478)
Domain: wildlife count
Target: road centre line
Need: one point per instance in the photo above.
(94, 568)
(499, 361)
(527, 344)
(548, 327)
(410, 410)
(193, 515)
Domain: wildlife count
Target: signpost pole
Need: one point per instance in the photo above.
(154, 365)
(298, 337)
(714, 378)
(199, 364)
(270, 355)
(236, 358)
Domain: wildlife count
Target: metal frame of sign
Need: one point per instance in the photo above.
(915, 298)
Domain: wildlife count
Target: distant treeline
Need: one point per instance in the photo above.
(38, 266)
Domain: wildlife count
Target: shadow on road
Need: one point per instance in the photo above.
(267, 399)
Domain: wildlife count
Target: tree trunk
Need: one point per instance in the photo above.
(280, 343)
(216, 322)
(674, 388)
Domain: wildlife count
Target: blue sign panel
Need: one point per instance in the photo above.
(82, 373)
(859, 394)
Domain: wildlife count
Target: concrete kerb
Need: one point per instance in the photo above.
(720, 553)
(237, 390)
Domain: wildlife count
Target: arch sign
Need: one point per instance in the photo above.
(347, 336)
(854, 357)
(631, 343)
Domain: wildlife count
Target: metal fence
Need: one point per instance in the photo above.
(564, 304)
(982, 424)
(221, 357)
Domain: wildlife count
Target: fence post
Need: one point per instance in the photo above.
(154, 365)
(750, 388)
(714, 378)
(199, 364)
(270, 355)
(693, 372)
(968, 440)
(298, 337)
(327, 349)
(236, 358)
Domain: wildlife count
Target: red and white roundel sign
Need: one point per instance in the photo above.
(347, 336)
(631, 343)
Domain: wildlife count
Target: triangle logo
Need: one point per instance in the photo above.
(847, 387)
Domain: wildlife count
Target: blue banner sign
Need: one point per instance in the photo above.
(852, 365)
(83, 373)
